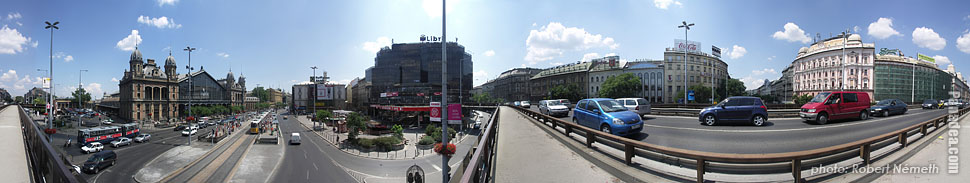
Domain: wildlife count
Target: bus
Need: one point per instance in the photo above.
(102, 134)
(130, 129)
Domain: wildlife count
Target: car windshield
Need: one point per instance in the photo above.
(884, 102)
(820, 97)
(611, 106)
(554, 103)
(929, 101)
(94, 159)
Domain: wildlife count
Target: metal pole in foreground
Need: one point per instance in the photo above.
(50, 110)
(189, 108)
(686, 28)
(79, 96)
(445, 169)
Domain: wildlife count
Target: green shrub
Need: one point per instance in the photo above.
(365, 143)
(398, 131)
(426, 140)
(386, 142)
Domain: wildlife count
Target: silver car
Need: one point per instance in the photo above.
(638, 105)
(553, 108)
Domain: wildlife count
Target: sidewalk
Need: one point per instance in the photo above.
(259, 162)
(527, 154)
(410, 151)
(935, 155)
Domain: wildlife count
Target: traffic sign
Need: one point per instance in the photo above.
(690, 95)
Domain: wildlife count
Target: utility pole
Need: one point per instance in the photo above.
(78, 98)
(50, 113)
(190, 68)
(686, 27)
(313, 82)
(445, 169)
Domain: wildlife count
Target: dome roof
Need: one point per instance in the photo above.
(855, 37)
(170, 61)
(136, 55)
(229, 76)
(803, 50)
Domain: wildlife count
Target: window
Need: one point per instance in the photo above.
(581, 105)
(851, 97)
(629, 102)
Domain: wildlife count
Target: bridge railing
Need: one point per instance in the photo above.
(791, 162)
(479, 163)
(46, 164)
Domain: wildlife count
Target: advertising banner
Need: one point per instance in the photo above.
(454, 113)
(682, 45)
(435, 111)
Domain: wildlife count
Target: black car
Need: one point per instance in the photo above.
(932, 104)
(99, 161)
(180, 127)
(745, 109)
(888, 107)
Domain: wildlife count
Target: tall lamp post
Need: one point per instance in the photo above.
(50, 113)
(190, 68)
(686, 27)
(313, 81)
(78, 98)
(445, 169)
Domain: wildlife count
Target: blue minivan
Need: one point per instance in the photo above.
(607, 115)
(744, 109)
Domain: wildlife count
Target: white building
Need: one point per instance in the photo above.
(649, 72)
(820, 67)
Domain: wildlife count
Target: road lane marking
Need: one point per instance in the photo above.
(779, 130)
(315, 166)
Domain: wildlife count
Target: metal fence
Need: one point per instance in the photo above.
(46, 165)
(793, 162)
(479, 163)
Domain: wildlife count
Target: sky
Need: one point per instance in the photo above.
(274, 43)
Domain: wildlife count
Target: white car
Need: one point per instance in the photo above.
(107, 121)
(92, 147)
(123, 141)
(143, 137)
(188, 132)
(525, 104)
(553, 108)
(638, 105)
(295, 138)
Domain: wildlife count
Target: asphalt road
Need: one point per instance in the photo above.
(776, 136)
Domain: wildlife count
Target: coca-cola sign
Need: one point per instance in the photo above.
(682, 45)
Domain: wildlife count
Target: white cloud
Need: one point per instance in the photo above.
(34, 44)
(771, 58)
(882, 29)
(590, 56)
(375, 46)
(62, 55)
(115, 80)
(129, 43)
(68, 58)
(942, 60)
(480, 74)
(9, 76)
(856, 29)
(433, 7)
(222, 54)
(764, 71)
(160, 22)
(13, 15)
(489, 53)
(168, 2)
(556, 63)
(963, 42)
(609, 54)
(664, 4)
(551, 40)
(737, 52)
(11, 41)
(534, 24)
(927, 38)
(95, 90)
(19, 24)
(751, 83)
(792, 33)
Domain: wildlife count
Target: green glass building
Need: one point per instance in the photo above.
(894, 79)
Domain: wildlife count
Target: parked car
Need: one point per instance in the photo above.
(638, 105)
(525, 104)
(746, 109)
(99, 161)
(92, 147)
(123, 141)
(553, 108)
(188, 132)
(567, 103)
(932, 104)
(836, 105)
(143, 137)
(607, 115)
(953, 103)
(295, 138)
(888, 107)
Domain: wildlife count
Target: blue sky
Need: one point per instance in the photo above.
(274, 43)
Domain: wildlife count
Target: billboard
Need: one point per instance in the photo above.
(716, 51)
(324, 92)
(682, 45)
(435, 111)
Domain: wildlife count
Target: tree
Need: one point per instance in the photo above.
(735, 87)
(261, 93)
(802, 99)
(356, 123)
(623, 85)
(481, 98)
(40, 101)
(398, 131)
(18, 99)
(702, 94)
(323, 114)
(236, 108)
(81, 96)
(568, 91)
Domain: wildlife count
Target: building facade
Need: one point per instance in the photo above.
(894, 79)
(511, 85)
(206, 90)
(820, 67)
(318, 94)
(410, 73)
(147, 92)
(651, 78)
(782, 88)
(35, 93)
(603, 68)
(574, 75)
(703, 69)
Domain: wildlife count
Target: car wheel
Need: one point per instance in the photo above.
(709, 120)
(758, 120)
(885, 113)
(605, 128)
(96, 169)
(822, 119)
(864, 115)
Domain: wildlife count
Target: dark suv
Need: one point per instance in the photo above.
(748, 109)
(99, 161)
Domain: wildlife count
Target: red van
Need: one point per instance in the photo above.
(836, 105)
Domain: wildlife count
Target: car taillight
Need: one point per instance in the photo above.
(763, 107)
(638, 108)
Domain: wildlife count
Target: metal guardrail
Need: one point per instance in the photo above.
(478, 164)
(793, 162)
(772, 113)
(46, 165)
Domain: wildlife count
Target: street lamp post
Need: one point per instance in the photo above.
(190, 68)
(313, 81)
(686, 27)
(78, 98)
(50, 113)
(445, 169)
